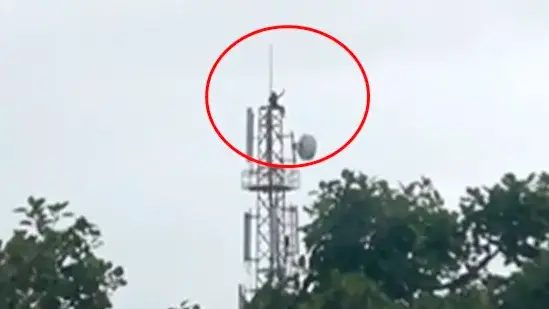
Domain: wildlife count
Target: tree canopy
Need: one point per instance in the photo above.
(46, 265)
(368, 245)
(373, 245)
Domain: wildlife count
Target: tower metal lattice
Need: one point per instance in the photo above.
(272, 226)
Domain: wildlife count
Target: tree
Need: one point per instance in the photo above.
(369, 245)
(46, 265)
(273, 296)
(372, 245)
(349, 291)
(529, 287)
(49, 263)
(412, 248)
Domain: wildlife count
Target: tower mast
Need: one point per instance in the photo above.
(272, 225)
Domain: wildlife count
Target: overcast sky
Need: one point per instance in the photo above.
(101, 103)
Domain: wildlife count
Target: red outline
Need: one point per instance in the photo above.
(295, 27)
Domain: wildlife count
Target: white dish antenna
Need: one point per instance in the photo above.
(306, 147)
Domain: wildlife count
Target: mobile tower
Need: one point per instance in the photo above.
(272, 226)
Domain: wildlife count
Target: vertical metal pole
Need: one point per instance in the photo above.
(271, 66)
(272, 203)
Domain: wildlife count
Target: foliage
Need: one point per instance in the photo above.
(186, 304)
(349, 291)
(45, 265)
(49, 263)
(372, 245)
(369, 245)
(528, 288)
(272, 297)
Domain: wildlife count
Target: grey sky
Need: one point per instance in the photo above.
(101, 103)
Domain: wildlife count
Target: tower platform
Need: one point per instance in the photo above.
(256, 179)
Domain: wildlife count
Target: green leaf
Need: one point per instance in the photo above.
(58, 207)
(25, 223)
(20, 210)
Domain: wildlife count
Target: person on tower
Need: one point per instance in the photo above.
(273, 101)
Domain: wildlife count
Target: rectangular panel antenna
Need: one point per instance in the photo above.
(247, 236)
(250, 132)
(294, 223)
